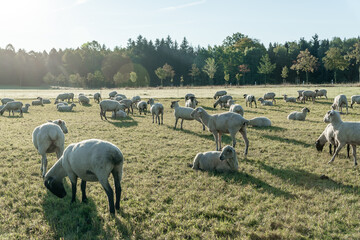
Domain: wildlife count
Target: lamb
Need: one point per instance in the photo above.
(142, 107)
(112, 94)
(260, 122)
(65, 108)
(156, 109)
(38, 102)
(24, 109)
(265, 103)
(236, 108)
(118, 114)
(128, 105)
(91, 160)
(97, 97)
(46, 101)
(345, 133)
(12, 106)
(300, 92)
(6, 100)
(355, 99)
(223, 161)
(298, 115)
(227, 122)
(62, 97)
(184, 113)
(187, 96)
(219, 94)
(250, 99)
(270, 95)
(109, 106)
(48, 138)
(308, 94)
(222, 101)
(191, 102)
(339, 102)
(84, 100)
(321, 92)
(289, 99)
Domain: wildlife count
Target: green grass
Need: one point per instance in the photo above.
(277, 192)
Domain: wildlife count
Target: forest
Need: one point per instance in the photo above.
(239, 60)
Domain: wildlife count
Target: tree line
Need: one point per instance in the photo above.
(239, 60)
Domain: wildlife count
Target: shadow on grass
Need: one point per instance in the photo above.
(324, 103)
(209, 108)
(85, 105)
(270, 129)
(123, 123)
(287, 140)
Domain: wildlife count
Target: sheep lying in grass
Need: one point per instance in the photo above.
(184, 113)
(328, 136)
(156, 110)
(308, 94)
(236, 108)
(321, 92)
(112, 94)
(270, 95)
(222, 101)
(223, 161)
(191, 102)
(12, 106)
(48, 138)
(118, 115)
(289, 99)
(46, 101)
(83, 100)
(97, 97)
(38, 102)
(219, 94)
(65, 108)
(6, 100)
(142, 107)
(250, 99)
(260, 122)
(298, 115)
(24, 109)
(187, 96)
(265, 103)
(355, 99)
(128, 105)
(91, 160)
(109, 106)
(344, 133)
(227, 122)
(339, 102)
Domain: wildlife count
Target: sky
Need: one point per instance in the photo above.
(45, 24)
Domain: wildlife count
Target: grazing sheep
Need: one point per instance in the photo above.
(328, 136)
(90, 160)
(298, 115)
(6, 100)
(109, 106)
(289, 99)
(222, 101)
(48, 138)
(270, 95)
(184, 113)
(223, 161)
(38, 102)
(236, 108)
(71, 96)
(97, 97)
(128, 105)
(112, 94)
(24, 109)
(260, 122)
(308, 94)
(83, 100)
(355, 99)
(339, 102)
(136, 99)
(118, 114)
(227, 122)
(121, 95)
(321, 92)
(62, 97)
(187, 96)
(250, 99)
(300, 92)
(46, 101)
(65, 108)
(12, 106)
(265, 103)
(142, 107)
(156, 110)
(219, 94)
(344, 133)
(191, 102)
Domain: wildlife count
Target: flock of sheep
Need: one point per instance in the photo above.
(94, 159)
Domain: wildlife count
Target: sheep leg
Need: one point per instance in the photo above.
(109, 193)
(83, 187)
(216, 140)
(158, 117)
(336, 152)
(246, 140)
(73, 189)
(162, 118)
(117, 189)
(330, 149)
(132, 110)
(219, 141)
(43, 164)
(153, 118)
(354, 154)
(348, 150)
(255, 104)
(21, 112)
(176, 120)
(182, 120)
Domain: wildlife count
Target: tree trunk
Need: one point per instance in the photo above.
(307, 77)
(359, 73)
(335, 76)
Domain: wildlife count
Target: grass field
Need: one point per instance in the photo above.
(276, 194)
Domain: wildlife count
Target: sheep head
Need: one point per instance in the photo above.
(174, 104)
(319, 146)
(245, 95)
(197, 112)
(55, 186)
(330, 116)
(62, 125)
(227, 152)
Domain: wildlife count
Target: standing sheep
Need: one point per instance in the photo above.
(112, 94)
(250, 99)
(298, 115)
(191, 102)
(156, 110)
(355, 99)
(184, 113)
(128, 105)
(6, 100)
(187, 96)
(321, 92)
(308, 94)
(24, 109)
(219, 94)
(83, 100)
(339, 102)
(236, 108)
(142, 107)
(300, 94)
(62, 97)
(91, 160)
(97, 97)
(270, 95)
(109, 106)
(222, 101)
(12, 106)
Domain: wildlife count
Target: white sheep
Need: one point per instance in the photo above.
(128, 105)
(265, 103)
(46, 101)
(298, 115)
(339, 102)
(227, 122)
(91, 160)
(300, 92)
(223, 161)
(62, 97)
(250, 99)
(109, 106)
(191, 102)
(112, 94)
(38, 102)
(142, 107)
(48, 138)
(260, 122)
(219, 94)
(121, 95)
(71, 96)
(118, 114)
(61, 103)
(24, 109)
(344, 133)
(83, 100)
(308, 94)
(222, 101)
(355, 99)
(6, 100)
(97, 97)
(65, 108)
(12, 106)
(321, 92)
(187, 96)
(184, 113)
(156, 110)
(236, 108)
(136, 99)
(270, 95)
(289, 99)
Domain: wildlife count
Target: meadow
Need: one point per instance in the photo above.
(278, 192)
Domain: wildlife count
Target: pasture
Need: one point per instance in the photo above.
(278, 192)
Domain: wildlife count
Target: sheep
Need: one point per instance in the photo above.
(46, 101)
(83, 100)
(298, 115)
(221, 161)
(187, 96)
(71, 96)
(344, 133)
(289, 99)
(24, 109)
(6, 100)
(136, 99)
(355, 99)
(128, 105)
(250, 99)
(97, 97)
(300, 92)
(227, 122)
(48, 138)
(120, 95)
(308, 94)
(91, 160)
(112, 94)
(62, 97)
(339, 102)
(142, 107)
(328, 136)
(61, 103)
(264, 102)
(260, 122)
(219, 94)
(236, 108)
(38, 102)
(184, 113)
(12, 106)
(118, 114)
(156, 110)
(270, 95)
(191, 102)
(65, 108)
(222, 101)
(109, 106)
(321, 92)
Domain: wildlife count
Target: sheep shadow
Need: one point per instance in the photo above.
(270, 129)
(324, 103)
(124, 123)
(86, 105)
(209, 108)
(286, 140)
